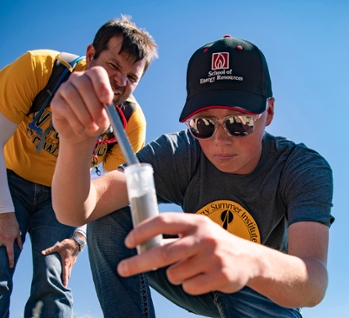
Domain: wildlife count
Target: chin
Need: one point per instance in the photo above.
(118, 99)
(229, 168)
(225, 168)
(231, 171)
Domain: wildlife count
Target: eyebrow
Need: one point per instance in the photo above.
(116, 61)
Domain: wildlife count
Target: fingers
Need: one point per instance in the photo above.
(66, 270)
(53, 249)
(19, 241)
(198, 276)
(202, 284)
(10, 255)
(79, 101)
(144, 262)
(9, 234)
(170, 223)
(101, 84)
(199, 240)
(68, 255)
(84, 111)
(179, 253)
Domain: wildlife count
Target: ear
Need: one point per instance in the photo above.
(270, 111)
(90, 52)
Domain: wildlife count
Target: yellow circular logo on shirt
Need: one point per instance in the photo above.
(232, 217)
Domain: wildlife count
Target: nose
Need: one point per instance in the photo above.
(120, 79)
(221, 136)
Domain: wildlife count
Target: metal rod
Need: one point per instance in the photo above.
(121, 135)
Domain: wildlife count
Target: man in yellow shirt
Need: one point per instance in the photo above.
(125, 52)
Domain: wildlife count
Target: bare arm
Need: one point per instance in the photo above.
(297, 280)
(79, 118)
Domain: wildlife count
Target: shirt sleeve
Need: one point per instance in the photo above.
(22, 80)
(81, 229)
(174, 158)
(307, 187)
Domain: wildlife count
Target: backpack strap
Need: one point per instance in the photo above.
(125, 111)
(63, 67)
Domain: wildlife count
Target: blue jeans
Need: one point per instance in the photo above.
(130, 297)
(34, 213)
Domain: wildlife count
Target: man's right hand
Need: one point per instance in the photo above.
(9, 232)
(77, 107)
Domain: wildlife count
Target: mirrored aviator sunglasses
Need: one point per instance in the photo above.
(235, 126)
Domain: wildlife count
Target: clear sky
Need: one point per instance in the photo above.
(306, 45)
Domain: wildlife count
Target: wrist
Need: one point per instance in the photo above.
(80, 240)
(262, 272)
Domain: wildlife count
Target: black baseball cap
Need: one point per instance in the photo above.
(229, 73)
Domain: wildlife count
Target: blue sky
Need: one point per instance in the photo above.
(306, 45)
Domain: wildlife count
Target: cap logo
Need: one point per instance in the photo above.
(220, 61)
(220, 70)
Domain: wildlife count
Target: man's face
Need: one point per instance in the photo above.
(233, 154)
(124, 73)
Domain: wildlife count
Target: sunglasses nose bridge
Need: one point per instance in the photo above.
(219, 122)
(223, 123)
(221, 132)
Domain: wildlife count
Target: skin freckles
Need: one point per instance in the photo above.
(233, 154)
(204, 257)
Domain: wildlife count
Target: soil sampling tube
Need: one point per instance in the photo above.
(139, 181)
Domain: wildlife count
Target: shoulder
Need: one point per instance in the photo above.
(37, 64)
(302, 168)
(32, 60)
(131, 107)
(180, 139)
(293, 152)
(174, 144)
(296, 165)
(174, 153)
(22, 80)
(40, 58)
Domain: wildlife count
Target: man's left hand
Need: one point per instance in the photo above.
(68, 249)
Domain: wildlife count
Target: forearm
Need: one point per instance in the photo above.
(73, 196)
(288, 280)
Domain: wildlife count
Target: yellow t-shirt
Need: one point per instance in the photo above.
(20, 82)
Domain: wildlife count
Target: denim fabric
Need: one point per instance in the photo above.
(130, 297)
(118, 296)
(35, 215)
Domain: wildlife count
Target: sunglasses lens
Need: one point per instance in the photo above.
(240, 126)
(201, 128)
(236, 126)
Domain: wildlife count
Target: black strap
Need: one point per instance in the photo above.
(45, 95)
(63, 67)
(127, 109)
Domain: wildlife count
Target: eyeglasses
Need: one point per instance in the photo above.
(235, 126)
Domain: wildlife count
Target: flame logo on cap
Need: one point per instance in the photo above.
(220, 60)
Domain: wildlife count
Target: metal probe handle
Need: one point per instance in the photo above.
(121, 135)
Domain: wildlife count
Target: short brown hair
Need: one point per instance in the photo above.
(137, 42)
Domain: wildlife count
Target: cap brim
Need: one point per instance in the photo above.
(238, 100)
